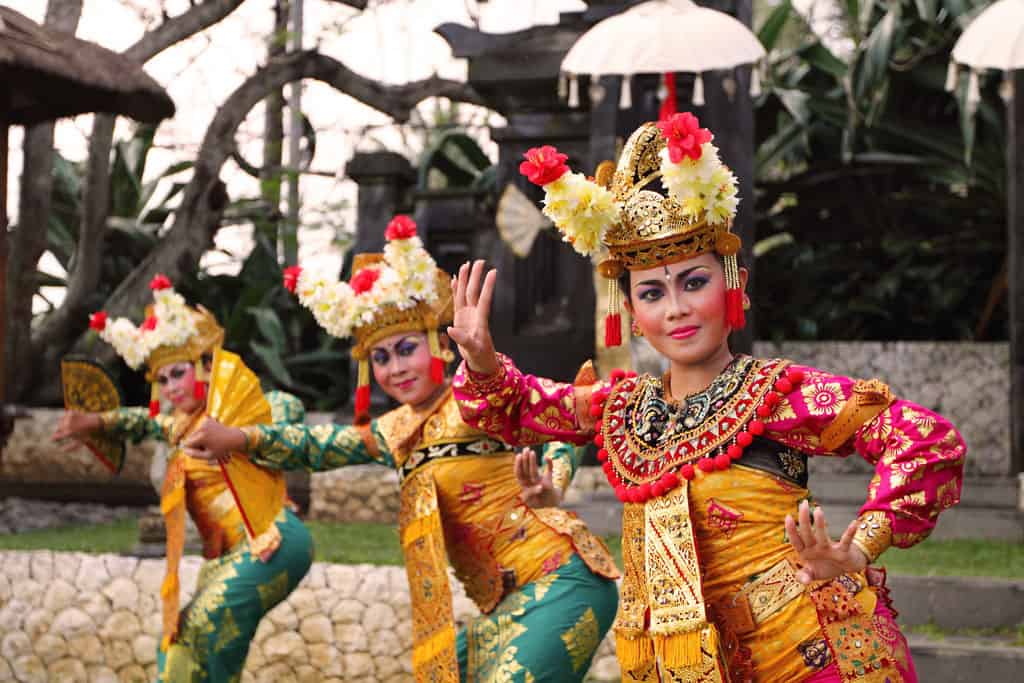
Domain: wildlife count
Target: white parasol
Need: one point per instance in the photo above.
(994, 40)
(662, 36)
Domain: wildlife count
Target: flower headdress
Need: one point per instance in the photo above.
(615, 220)
(401, 290)
(172, 332)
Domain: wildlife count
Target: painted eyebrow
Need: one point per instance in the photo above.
(682, 274)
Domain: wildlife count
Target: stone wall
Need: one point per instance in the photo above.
(31, 456)
(96, 619)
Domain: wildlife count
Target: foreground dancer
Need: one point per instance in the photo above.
(541, 579)
(710, 460)
(256, 552)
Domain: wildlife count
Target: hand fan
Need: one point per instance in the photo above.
(236, 399)
(88, 387)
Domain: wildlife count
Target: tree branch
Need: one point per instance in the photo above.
(177, 29)
(191, 233)
(57, 330)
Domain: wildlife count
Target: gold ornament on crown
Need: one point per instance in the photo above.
(401, 290)
(623, 223)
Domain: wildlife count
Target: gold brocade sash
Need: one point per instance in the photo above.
(662, 614)
(426, 566)
(172, 506)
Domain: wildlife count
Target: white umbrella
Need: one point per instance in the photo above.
(662, 36)
(994, 40)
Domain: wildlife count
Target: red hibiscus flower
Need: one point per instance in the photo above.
(684, 136)
(363, 280)
(400, 228)
(291, 277)
(543, 165)
(159, 281)
(98, 321)
(149, 323)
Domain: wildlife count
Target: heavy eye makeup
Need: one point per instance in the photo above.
(404, 348)
(689, 280)
(173, 373)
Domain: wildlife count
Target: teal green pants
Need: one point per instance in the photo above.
(547, 631)
(232, 594)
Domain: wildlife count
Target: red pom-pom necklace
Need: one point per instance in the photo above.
(634, 493)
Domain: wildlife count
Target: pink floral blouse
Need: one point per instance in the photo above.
(918, 455)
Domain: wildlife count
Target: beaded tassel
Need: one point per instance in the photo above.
(613, 320)
(734, 315)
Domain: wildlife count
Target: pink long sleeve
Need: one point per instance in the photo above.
(918, 456)
(519, 409)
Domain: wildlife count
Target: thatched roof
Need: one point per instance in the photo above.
(46, 74)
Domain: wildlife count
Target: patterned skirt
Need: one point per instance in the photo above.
(232, 594)
(547, 631)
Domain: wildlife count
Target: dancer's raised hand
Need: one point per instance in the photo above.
(820, 557)
(538, 487)
(470, 329)
(74, 426)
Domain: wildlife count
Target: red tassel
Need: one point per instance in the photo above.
(154, 408)
(734, 315)
(436, 370)
(668, 105)
(613, 330)
(199, 391)
(362, 401)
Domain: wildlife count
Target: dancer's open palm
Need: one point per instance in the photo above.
(538, 488)
(822, 558)
(470, 329)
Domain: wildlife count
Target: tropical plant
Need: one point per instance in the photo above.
(881, 202)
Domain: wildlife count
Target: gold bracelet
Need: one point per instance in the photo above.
(874, 533)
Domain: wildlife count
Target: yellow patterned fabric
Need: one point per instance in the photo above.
(468, 508)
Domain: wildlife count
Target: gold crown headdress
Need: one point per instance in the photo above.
(619, 222)
(172, 332)
(401, 290)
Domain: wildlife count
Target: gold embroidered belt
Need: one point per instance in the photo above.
(481, 446)
(759, 599)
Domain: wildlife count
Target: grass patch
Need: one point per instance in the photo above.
(966, 557)
(340, 543)
(117, 537)
(1005, 635)
(362, 543)
(367, 543)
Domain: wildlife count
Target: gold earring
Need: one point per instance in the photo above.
(447, 355)
(746, 302)
(637, 332)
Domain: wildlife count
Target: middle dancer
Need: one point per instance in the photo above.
(542, 580)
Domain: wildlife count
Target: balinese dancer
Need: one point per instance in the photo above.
(710, 460)
(256, 550)
(542, 581)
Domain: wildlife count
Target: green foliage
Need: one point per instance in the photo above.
(874, 188)
(277, 337)
(263, 322)
(136, 213)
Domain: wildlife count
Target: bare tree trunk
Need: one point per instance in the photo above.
(59, 330)
(197, 219)
(273, 133)
(29, 239)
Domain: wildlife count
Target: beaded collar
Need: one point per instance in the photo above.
(648, 441)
